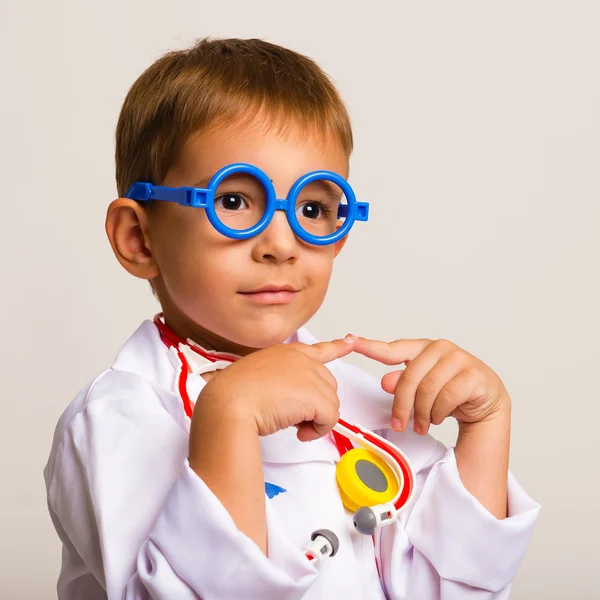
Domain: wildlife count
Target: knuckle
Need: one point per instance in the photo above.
(318, 349)
(334, 381)
(449, 395)
(295, 349)
(459, 355)
(408, 380)
(333, 389)
(336, 401)
(427, 386)
(314, 381)
(301, 357)
(422, 413)
(335, 414)
(403, 404)
(327, 414)
(326, 374)
(472, 372)
(399, 412)
(443, 344)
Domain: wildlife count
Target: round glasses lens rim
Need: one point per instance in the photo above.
(299, 185)
(263, 179)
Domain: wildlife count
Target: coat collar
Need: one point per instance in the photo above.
(361, 398)
(145, 354)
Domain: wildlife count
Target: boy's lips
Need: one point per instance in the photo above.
(271, 287)
(272, 294)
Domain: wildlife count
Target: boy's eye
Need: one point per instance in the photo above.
(231, 202)
(313, 210)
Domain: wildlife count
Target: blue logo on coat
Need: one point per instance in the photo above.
(273, 490)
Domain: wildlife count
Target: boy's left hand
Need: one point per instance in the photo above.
(440, 380)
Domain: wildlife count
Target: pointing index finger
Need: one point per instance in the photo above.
(325, 352)
(390, 353)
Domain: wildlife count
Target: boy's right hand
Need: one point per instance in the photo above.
(278, 387)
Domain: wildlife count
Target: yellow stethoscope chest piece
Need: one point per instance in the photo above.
(365, 479)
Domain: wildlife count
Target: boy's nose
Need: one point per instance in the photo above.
(277, 242)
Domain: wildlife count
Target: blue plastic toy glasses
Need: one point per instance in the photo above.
(240, 202)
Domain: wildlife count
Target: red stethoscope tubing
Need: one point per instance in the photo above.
(172, 340)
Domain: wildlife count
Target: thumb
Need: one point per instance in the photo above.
(325, 352)
(307, 432)
(390, 380)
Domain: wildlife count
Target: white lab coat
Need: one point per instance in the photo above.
(136, 522)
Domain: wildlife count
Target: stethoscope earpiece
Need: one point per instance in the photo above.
(368, 519)
(324, 543)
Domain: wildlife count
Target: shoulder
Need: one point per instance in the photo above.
(110, 391)
(122, 390)
(141, 374)
(136, 389)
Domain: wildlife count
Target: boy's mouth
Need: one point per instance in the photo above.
(272, 294)
(272, 288)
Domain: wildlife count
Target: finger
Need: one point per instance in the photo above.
(324, 428)
(321, 412)
(390, 380)
(390, 353)
(325, 417)
(323, 388)
(327, 375)
(444, 371)
(325, 352)
(406, 389)
(306, 432)
(461, 389)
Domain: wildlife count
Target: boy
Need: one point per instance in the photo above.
(150, 503)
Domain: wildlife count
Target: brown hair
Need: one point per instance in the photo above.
(216, 81)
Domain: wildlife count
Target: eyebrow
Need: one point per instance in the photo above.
(330, 188)
(202, 183)
(205, 181)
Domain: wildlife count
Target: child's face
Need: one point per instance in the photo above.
(204, 276)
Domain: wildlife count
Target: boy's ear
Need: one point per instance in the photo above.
(337, 247)
(127, 228)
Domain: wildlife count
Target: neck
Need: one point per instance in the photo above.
(186, 329)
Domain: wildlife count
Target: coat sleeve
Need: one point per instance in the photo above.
(123, 495)
(446, 544)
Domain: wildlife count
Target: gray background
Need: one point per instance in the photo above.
(477, 143)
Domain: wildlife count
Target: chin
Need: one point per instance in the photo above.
(266, 333)
(266, 339)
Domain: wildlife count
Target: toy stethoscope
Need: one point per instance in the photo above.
(375, 481)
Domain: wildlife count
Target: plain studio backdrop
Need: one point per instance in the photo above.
(477, 129)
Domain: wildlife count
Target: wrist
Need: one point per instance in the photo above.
(500, 417)
(214, 429)
(482, 457)
(217, 402)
